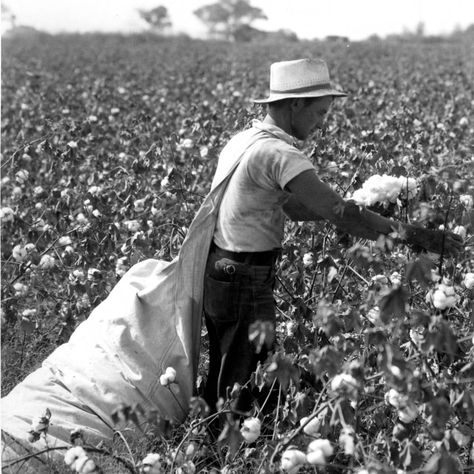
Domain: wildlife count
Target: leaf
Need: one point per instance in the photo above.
(420, 270)
(326, 319)
(262, 333)
(442, 463)
(462, 435)
(332, 274)
(284, 370)
(449, 343)
(26, 326)
(327, 360)
(231, 434)
(393, 304)
(399, 171)
(410, 456)
(343, 413)
(439, 411)
(465, 404)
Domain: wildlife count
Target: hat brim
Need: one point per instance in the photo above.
(275, 96)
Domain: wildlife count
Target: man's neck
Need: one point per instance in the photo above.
(279, 122)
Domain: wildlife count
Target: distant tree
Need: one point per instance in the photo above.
(247, 33)
(157, 18)
(420, 29)
(227, 17)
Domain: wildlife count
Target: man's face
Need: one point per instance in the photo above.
(306, 117)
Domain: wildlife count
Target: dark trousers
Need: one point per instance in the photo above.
(236, 294)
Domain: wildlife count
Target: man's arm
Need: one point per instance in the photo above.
(321, 200)
(297, 212)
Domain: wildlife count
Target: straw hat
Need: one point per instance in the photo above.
(299, 78)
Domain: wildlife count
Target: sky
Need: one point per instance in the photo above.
(356, 19)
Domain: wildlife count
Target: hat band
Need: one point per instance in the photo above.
(315, 87)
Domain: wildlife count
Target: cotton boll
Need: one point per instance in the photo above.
(39, 424)
(408, 413)
(321, 444)
(443, 296)
(47, 262)
(171, 374)
(151, 464)
(396, 279)
(316, 457)
(7, 214)
(291, 460)
(345, 384)
(19, 253)
(385, 189)
(466, 200)
(346, 440)
(250, 430)
(308, 259)
(439, 299)
(84, 465)
(374, 315)
(468, 280)
(417, 336)
(393, 398)
(20, 289)
(461, 231)
(311, 428)
(73, 454)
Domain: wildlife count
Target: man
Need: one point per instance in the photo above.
(274, 179)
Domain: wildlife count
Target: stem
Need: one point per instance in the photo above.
(298, 430)
(339, 282)
(277, 411)
(268, 396)
(356, 172)
(130, 467)
(177, 401)
(285, 288)
(127, 446)
(191, 429)
(441, 257)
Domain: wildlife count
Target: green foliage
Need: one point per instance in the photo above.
(109, 145)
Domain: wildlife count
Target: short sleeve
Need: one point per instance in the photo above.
(274, 167)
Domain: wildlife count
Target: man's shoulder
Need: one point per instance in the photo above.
(276, 147)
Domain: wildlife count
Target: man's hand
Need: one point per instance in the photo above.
(435, 240)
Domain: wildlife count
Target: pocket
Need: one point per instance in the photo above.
(265, 278)
(221, 299)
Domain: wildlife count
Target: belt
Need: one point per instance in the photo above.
(266, 258)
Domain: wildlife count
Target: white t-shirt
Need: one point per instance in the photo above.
(251, 218)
